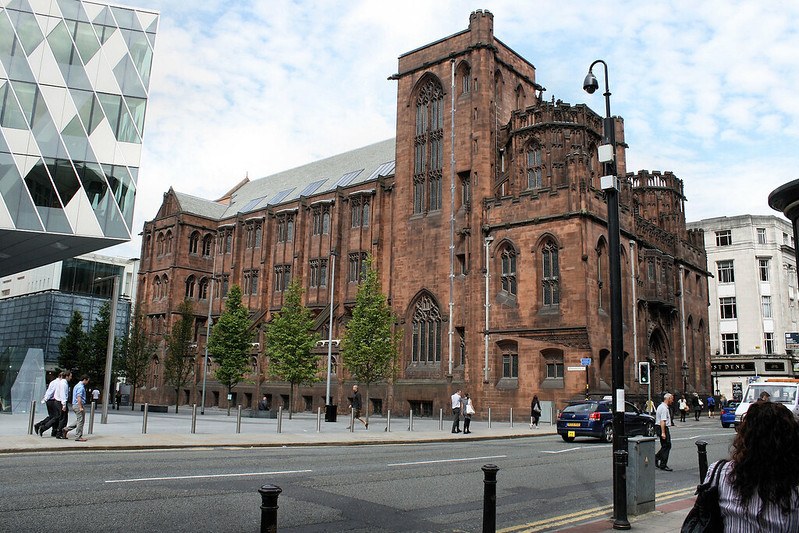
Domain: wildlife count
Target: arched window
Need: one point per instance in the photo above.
(510, 359)
(603, 274)
(190, 283)
(326, 221)
(159, 244)
(168, 243)
(550, 274)
(534, 168)
(194, 241)
(164, 287)
(203, 289)
(520, 97)
(553, 362)
(228, 242)
(426, 332)
(207, 242)
(509, 284)
(428, 147)
(157, 288)
(464, 73)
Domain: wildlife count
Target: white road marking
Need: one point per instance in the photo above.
(206, 476)
(449, 460)
(562, 451)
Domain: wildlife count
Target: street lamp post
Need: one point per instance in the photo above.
(610, 184)
(328, 399)
(109, 353)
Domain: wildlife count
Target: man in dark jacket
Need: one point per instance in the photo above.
(356, 403)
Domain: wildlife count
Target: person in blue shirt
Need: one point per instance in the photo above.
(78, 405)
(711, 406)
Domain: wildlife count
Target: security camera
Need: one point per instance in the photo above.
(590, 84)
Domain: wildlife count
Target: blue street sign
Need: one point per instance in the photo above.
(585, 361)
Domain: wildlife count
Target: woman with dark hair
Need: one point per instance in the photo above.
(535, 412)
(759, 486)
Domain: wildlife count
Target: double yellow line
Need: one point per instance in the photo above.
(588, 514)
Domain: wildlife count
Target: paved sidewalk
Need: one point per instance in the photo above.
(215, 428)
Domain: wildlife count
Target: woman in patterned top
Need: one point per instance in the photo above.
(759, 486)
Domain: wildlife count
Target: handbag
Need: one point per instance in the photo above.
(469, 409)
(705, 516)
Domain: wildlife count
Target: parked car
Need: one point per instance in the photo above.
(728, 414)
(594, 418)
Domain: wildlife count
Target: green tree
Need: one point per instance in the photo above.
(289, 340)
(92, 359)
(229, 343)
(72, 343)
(136, 352)
(179, 360)
(369, 344)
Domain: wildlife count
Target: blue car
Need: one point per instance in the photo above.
(594, 418)
(728, 414)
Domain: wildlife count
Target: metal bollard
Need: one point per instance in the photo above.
(511, 417)
(194, 419)
(280, 419)
(489, 418)
(269, 494)
(701, 450)
(91, 418)
(144, 418)
(352, 420)
(441, 419)
(238, 419)
(31, 417)
(388, 420)
(410, 421)
(490, 498)
(318, 419)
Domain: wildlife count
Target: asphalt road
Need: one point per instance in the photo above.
(414, 487)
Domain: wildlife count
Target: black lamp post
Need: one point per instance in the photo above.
(684, 371)
(610, 184)
(664, 369)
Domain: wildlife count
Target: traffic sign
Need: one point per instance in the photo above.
(585, 361)
(575, 368)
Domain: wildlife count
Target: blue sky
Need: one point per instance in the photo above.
(708, 90)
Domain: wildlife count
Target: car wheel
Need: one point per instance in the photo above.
(725, 424)
(650, 430)
(567, 439)
(607, 433)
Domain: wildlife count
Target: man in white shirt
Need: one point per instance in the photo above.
(50, 404)
(663, 421)
(62, 396)
(456, 411)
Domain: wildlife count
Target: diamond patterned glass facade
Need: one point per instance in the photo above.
(74, 80)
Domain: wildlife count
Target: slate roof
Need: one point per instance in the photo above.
(349, 168)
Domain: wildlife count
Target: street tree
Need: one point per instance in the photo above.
(92, 359)
(229, 343)
(179, 359)
(289, 340)
(72, 343)
(369, 345)
(136, 352)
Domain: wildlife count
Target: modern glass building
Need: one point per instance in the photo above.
(74, 81)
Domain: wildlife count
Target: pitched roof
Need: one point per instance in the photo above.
(200, 206)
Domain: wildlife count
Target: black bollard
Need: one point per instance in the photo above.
(490, 498)
(269, 494)
(701, 450)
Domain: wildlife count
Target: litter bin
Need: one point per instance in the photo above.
(330, 413)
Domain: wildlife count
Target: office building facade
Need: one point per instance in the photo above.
(74, 81)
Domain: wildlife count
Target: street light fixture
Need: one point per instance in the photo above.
(109, 353)
(610, 184)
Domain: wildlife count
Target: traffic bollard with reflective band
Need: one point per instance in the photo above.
(490, 498)
(269, 494)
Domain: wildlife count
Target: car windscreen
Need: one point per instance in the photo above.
(777, 393)
(581, 408)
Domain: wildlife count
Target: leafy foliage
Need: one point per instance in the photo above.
(136, 352)
(289, 340)
(72, 343)
(229, 343)
(369, 345)
(92, 359)
(179, 360)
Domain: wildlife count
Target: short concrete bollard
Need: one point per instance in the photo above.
(410, 421)
(511, 417)
(32, 417)
(352, 420)
(701, 450)
(91, 418)
(388, 420)
(194, 419)
(489, 418)
(318, 419)
(238, 419)
(269, 494)
(490, 498)
(144, 418)
(280, 419)
(441, 419)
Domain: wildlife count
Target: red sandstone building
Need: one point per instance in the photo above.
(523, 189)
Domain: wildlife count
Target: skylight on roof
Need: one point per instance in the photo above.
(386, 169)
(279, 197)
(251, 204)
(347, 178)
(312, 187)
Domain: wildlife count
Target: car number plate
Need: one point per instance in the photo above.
(570, 434)
(573, 424)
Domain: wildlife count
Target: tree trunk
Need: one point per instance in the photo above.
(177, 399)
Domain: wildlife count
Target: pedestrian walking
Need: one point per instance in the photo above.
(95, 395)
(758, 487)
(357, 403)
(535, 412)
(118, 399)
(468, 411)
(697, 401)
(682, 405)
(663, 419)
(50, 404)
(78, 406)
(711, 406)
(456, 401)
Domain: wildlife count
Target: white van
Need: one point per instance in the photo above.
(782, 390)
